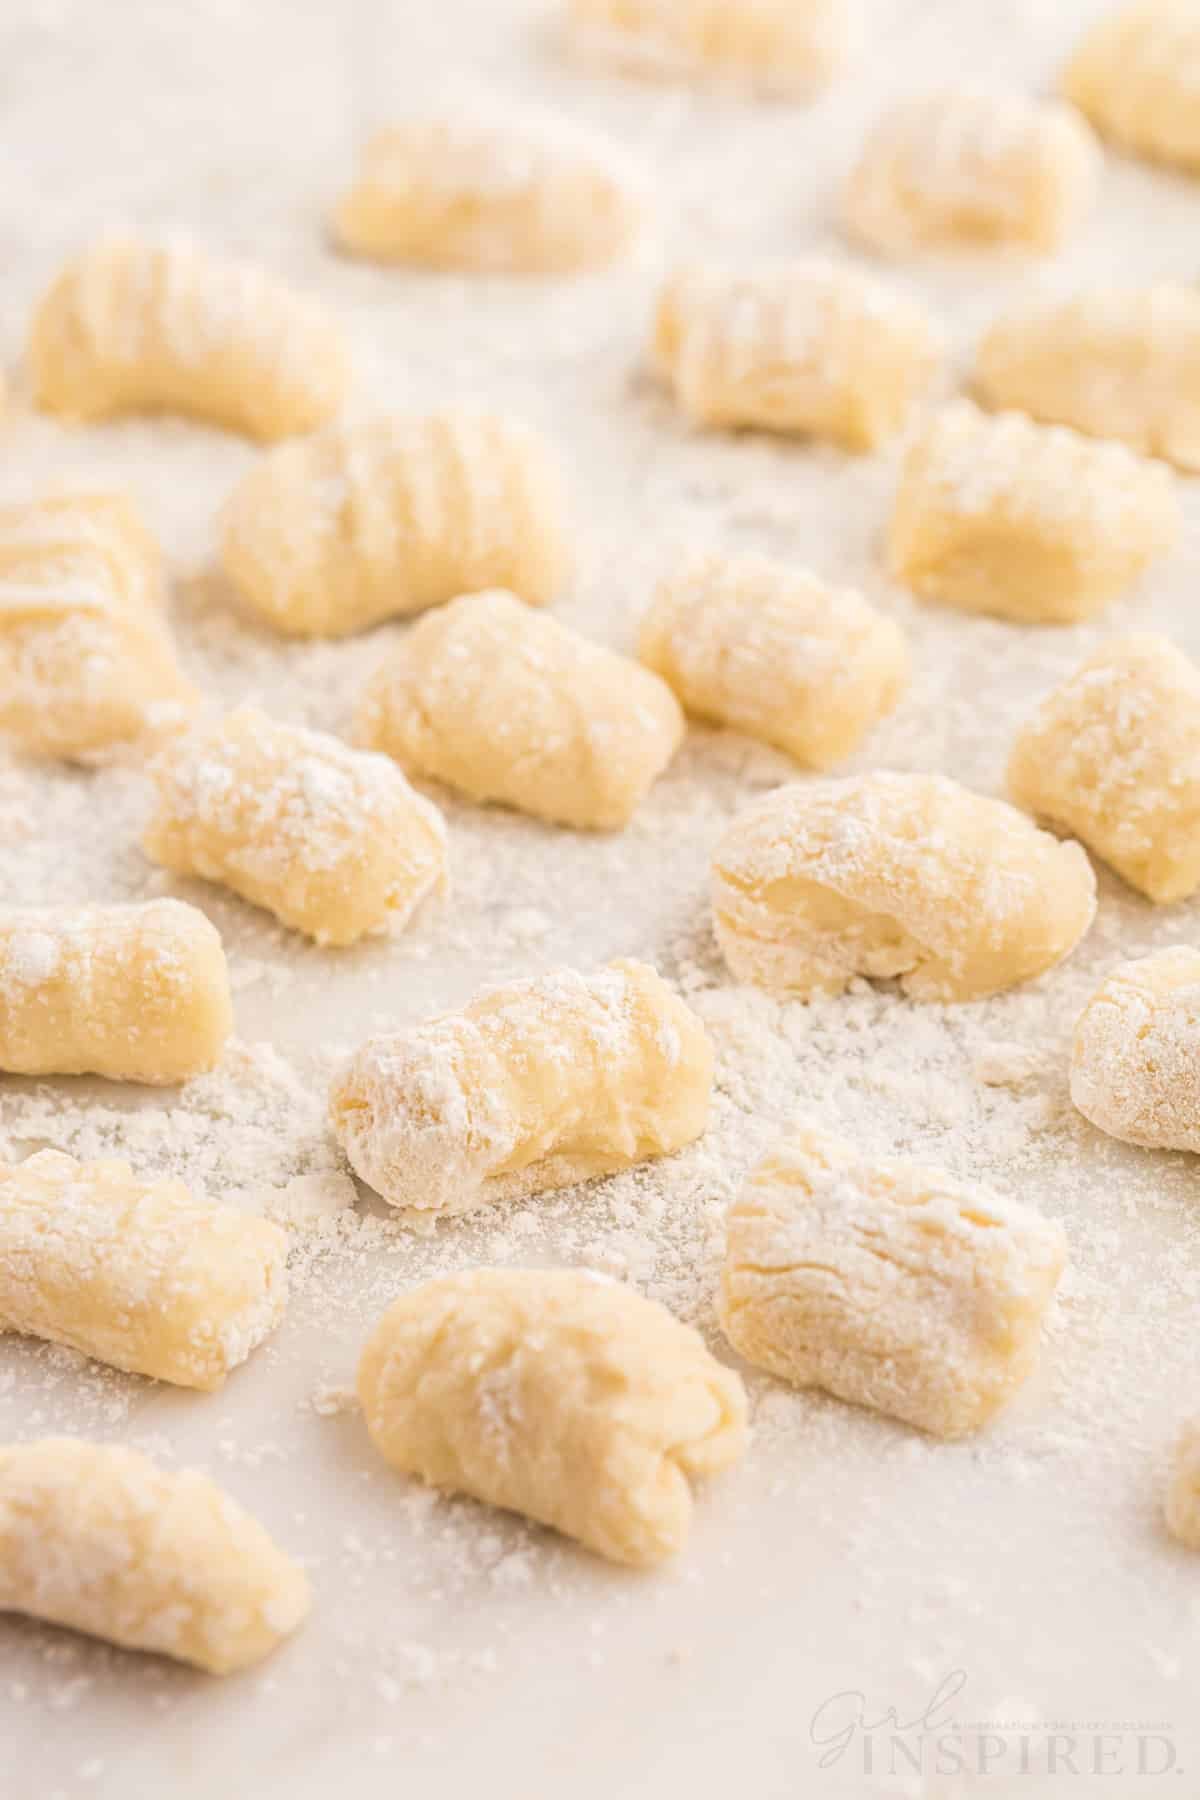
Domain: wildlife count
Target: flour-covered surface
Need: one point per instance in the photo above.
(1027, 1572)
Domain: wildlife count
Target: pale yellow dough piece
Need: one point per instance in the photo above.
(135, 1273)
(505, 704)
(1137, 77)
(136, 993)
(972, 166)
(1115, 362)
(1112, 755)
(333, 841)
(778, 46)
(1135, 1061)
(775, 652)
(1030, 522)
(805, 346)
(377, 520)
(888, 875)
(1181, 1506)
(890, 1285)
(98, 1538)
(558, 1394)
(535, 1085)
(87, 665)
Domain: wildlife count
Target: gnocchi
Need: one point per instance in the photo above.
(887, 875)
(378, 520)
(968, 165)
(803, 347)
(333, 841)
(138, 327)
(1135, 1060)
(1118, 363)
(87, 664)
(892, 1286)
(98, 1538)
(780, 46)
(505, 704)
(136, 993)
(558, 1394)
(133, 1273)
(1182, 1503)
(1024, 521)
(1113, 756)
(1136, 75)
(536, 1085)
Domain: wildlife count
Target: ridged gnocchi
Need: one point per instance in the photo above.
(1113, 756)
(802, 346)
(558, 1394)
(535, 1085)
(1181, 1506)
(1135, 1059)
(505, 704)
(377, 520)
(1137, 77)
(143, 327)
(1029, 522)
(893, 1286)
(895, 876)
(781, 46)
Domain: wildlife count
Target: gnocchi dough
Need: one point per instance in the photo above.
(87, 664)
(136, 993)
(776, 653)
(558, 1394)
(889, 875)
(801, 346)
(1113, 756)
(1115, 362)
(1137, 77)
(98, 1538)
(780, 46)
(1024, 521)
(377, 520)
(143, 327)
(508, 705)
(966, 165)
(535, 1085)
(1135, 1061)
(1182, 1503)
(134, 1273)
(892, 1286)
(333, 841)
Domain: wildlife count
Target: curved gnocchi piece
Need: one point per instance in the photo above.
(133, 327)
(557, 1394)
(1112, 755)
(886, 875)
(1118, 363)
(535, 1085)
(505, 704)
(136, 993)
(378, 520)
(966, 165)
(134, 1273)
(780, 46)
(776, 653)
(1024, 521)
(892, 1286)
(1135, 1060)
(1182, 1501)
(97, 1538)
(803, 347)
(1136, 75)
(333, 841)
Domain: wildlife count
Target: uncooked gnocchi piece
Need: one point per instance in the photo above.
(1137, 77)
(1115, 362)
(1112, 755)
(776, 653)
(535, 1085)
(381, 519)
(890, 1285)
(778, 46)
(136, 993)
(888, 875)
(333, 841)
(804, 347)
(1135, 1061)
(1030, 522)
(135, 1273)
(87, 664)
(968, 165)
(1182, 1503)
(97, 1538)
(505, 704)
(558, 1394)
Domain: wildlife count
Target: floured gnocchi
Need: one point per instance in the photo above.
(1135, 1061)
(781, 46)
(1182, 1501)
(1137, 77)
